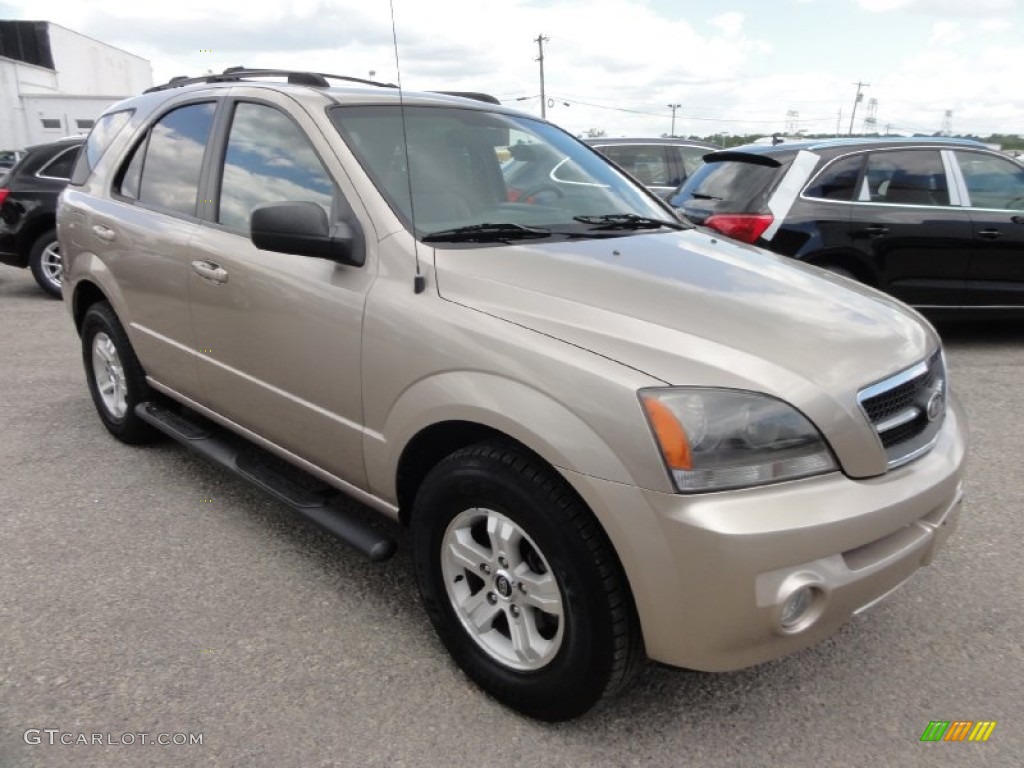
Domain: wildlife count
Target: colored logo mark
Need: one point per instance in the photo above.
(958, 730)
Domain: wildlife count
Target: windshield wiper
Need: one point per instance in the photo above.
(628, 221)
(483, 233)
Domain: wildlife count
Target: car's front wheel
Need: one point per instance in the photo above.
(45, 262)
(116, 380)
(521, 583)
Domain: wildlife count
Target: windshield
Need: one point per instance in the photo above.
(486, 176)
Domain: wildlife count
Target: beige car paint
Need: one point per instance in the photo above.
(338, 368)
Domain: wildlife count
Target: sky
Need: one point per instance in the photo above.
(731, 66)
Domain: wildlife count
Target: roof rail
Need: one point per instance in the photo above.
(238, 74)
(472, 95)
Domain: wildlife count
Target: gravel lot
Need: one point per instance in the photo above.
(144, 591)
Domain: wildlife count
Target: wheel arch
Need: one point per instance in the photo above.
(851, 261)
(85, 295)
(440, 414)
(31, 231)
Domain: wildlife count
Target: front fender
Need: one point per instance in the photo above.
(538, 421)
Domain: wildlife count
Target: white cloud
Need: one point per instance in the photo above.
(945, 33)
(942, 7)
(730, 23)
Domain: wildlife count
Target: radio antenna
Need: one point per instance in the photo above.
(419, 282)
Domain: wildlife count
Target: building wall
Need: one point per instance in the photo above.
(89, 76)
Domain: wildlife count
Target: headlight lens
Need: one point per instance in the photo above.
(716, 439)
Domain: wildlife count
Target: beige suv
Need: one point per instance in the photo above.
(611, 435)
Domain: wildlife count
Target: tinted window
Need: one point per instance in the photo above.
(174, 158)
(692, 159)
(103, 132)
(52, 123)
(269, 159)
(992, 182)
(838, 180)
(907, 177)
(730, 186)
(60, 167)
(648, 164)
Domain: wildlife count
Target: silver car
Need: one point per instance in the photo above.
(613, 436)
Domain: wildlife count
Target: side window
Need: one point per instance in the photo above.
(269, 159)
(692, 158)
(907, 177)
(60, 167)
(649, 165)
(102, 133)
(173, 159)
(838, 180)
(992, 182)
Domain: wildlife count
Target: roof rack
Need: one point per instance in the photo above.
(238, 74)
(475, 95)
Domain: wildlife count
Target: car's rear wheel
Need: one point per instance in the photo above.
(45, 262)
(116, 380)
(521, 583)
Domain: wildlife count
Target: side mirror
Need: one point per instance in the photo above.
(302, 228)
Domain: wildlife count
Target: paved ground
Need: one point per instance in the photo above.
(142, 590)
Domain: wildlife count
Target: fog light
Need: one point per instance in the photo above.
(796, 607)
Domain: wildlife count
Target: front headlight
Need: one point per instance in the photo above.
(715, 439)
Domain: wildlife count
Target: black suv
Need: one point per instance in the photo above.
(28, 207)
(938, 223)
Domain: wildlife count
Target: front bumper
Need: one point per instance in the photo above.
(710, 573)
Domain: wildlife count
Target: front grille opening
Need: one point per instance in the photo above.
(898, 409)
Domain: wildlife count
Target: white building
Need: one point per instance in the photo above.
(55, 82)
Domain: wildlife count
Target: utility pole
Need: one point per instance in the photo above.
(839, 121)
(674, 107)
(856, 101)
(540, 40)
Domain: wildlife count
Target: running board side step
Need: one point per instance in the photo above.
(310, 497)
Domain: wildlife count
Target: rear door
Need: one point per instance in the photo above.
(142, 233)
(994, 192)
(909, 229)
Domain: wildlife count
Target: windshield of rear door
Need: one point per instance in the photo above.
(727, 186)
(469, 167)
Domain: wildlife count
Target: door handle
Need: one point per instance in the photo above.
(1017, 219)
(875, 230)
(106, 234)
(990, 234)
(207, 270)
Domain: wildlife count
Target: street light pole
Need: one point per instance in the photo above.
(540, 40)
(674, 107)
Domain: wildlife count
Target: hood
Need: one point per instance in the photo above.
(690, 308)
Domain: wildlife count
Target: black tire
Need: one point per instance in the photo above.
(41, 262)
(599, 647)
(126, 426)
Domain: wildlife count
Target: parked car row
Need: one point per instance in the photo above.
(28, 207)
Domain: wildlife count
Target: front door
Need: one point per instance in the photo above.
(995, 191)
(279, 334)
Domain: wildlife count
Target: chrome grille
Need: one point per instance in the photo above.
(898, 408)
